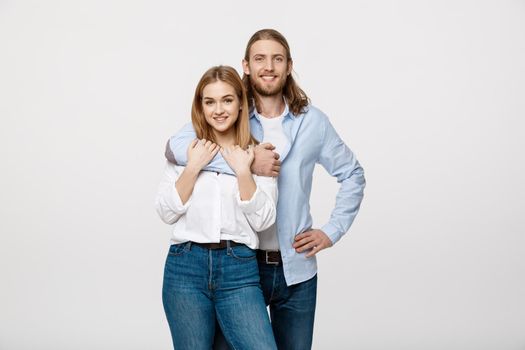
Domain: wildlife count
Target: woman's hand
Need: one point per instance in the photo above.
(200, 153)
(238, 159)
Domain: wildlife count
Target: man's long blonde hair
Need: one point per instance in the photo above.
(295, 96)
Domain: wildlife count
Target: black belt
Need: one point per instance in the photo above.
(221, 245)
(269, 257)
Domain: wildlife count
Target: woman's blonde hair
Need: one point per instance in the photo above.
(228, 75)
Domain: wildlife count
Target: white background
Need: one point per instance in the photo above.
(429, 95)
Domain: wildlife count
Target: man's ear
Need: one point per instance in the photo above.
(245, 67)
(290, 67)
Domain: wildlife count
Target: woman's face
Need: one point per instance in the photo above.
(220, 105)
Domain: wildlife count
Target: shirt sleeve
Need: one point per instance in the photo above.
(340, 162)
(168, 202)
(177, 151)
(260, 210)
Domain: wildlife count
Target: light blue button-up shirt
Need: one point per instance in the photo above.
(312, 139)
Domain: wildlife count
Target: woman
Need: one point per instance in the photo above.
(211, 271)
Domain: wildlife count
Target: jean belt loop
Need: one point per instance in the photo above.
(188, 246)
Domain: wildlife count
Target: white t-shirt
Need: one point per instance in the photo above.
(274, 134)
(214, 210)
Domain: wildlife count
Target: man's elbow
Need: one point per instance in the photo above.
(169, 153)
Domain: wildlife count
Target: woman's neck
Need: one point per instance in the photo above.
(225, 139)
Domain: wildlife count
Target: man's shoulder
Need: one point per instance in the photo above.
(186, 130)
(314, 115)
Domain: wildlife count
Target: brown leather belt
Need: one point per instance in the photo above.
(269, 257)
(221, 245)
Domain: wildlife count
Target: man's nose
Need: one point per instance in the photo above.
(268, 64)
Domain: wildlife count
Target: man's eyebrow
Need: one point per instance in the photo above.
(272, 55)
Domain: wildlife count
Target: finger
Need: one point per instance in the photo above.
(276, 162)
(306, 247)
(276, 155)
(208, 144)
(215, 150)
(275, 174)
(202, 141)
(302, 235)
(193, 143)
(267, 145)
(303, 242)
(314, 251)
(276, 168)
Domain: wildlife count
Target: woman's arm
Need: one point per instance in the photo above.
(168, 202)
(260, 210)
(256, 200)
(240, 161)
(200, 153)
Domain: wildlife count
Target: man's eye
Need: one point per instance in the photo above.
(258, 59)
(279, 59)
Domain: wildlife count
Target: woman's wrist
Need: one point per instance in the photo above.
(244, 171)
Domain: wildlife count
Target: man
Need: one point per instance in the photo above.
(282, 117)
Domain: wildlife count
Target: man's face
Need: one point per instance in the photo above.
(267, 67)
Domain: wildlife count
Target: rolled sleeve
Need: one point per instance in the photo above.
(168, 202)
(260, 210)
(253, 204)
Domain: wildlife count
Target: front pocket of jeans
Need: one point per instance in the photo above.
(243, 253)
(177, 249)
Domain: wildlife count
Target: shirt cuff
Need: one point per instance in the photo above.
(253, 204)
(332, 232)
(175, 203)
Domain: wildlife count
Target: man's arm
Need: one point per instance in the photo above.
(177, 146)
(266, 162)
(340, 162)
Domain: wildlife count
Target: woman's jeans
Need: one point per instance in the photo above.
(204, 286)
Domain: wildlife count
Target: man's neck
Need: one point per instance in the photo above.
(270, 106)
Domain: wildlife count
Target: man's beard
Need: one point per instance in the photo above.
(268, 92)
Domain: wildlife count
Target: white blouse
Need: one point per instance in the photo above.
(215, 210)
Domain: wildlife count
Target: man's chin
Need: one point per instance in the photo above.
(267, 92)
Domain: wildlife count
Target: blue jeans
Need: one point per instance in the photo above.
(292, 309)
(203, 286)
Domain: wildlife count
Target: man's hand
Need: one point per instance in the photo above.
(200, 153)
(315, 240)
(266, 162)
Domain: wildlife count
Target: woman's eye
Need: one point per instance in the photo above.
(228, 101)
(208, 103)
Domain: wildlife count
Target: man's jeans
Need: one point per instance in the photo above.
(292, 309)
(203, 286)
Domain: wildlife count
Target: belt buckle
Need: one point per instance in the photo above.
(269, 262)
